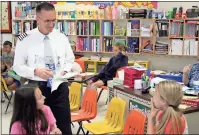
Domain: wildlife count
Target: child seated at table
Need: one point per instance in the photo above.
(109, 71)
(164, 110)
(11, 78)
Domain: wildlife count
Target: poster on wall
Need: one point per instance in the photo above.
(5, 23)
(127, 4)
(139, 106)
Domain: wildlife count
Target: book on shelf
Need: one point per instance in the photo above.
(60, 26)
(94, 28)
(26, 26)
(69, 28)
(94, 45)
(133, 45)
(176, 47)
(17, 28)
(133, 28)
(161, 47)
(191, 29)
(176, 29)
(82, 28)
(190, 47)
(107, 28)
(34, 24)
(82, 44)
(108, 42)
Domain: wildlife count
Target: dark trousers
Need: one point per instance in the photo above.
(58, 101)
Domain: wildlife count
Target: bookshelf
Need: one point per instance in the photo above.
(169, 37)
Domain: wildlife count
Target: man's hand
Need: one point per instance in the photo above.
(63, 73)
(43, 73)
(89, 82)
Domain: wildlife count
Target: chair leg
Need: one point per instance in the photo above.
(2, 98)
(99, 94)
(87, 132)
(72, 124)
(9, 102)
(80, 128)
(107, 101)
(5, 94)
(88, 121)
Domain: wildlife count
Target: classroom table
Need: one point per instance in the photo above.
(135, 99)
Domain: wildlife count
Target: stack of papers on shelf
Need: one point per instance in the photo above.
(95, 58)
(105, 59)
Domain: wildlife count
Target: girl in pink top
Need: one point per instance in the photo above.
(30, 115)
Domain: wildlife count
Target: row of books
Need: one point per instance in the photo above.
(82, 28)
(85, 44)
(89, 68)
(108, 44)
(17, 28)
(133, 28)
(107, 28)
(94, 28)
(21, 27)
(67, 27)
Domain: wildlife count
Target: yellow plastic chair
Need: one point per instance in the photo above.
(75, 96)
(114, 119)
(4, 89)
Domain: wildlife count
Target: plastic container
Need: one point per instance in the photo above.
(171, 77)
(130, 75)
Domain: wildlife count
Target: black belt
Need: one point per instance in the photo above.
(38, 82)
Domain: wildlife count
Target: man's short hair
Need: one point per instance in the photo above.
(8, 43)
(44, 6)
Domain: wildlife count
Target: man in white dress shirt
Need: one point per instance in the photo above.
(39, 54)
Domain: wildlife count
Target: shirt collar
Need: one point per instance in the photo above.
(41, 36)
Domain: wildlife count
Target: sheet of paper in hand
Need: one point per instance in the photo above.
(66, 76)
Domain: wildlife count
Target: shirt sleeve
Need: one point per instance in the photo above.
(69, 57)
(12, 74)
(20, 61)
(16, 129)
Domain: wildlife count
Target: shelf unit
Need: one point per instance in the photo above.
(142, 39)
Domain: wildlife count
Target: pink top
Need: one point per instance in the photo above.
(17, 128)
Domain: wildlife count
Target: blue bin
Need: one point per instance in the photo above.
(172, 77)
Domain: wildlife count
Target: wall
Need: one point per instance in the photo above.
(170, 63)
(8, 36)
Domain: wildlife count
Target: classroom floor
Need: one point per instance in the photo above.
(5, 118)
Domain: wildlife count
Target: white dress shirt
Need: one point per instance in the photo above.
(29, 53)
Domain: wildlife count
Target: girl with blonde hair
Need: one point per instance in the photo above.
(165, 112)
